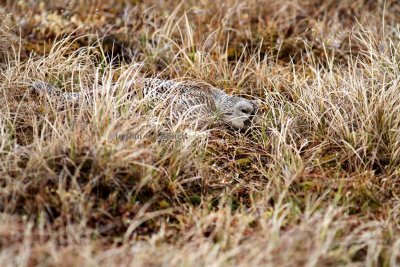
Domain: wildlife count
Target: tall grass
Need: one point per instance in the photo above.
(313, 183)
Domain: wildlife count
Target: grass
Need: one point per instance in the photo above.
(315, 183)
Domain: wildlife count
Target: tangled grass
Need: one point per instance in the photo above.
(315, 183)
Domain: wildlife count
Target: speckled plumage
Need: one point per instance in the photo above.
(193, 101)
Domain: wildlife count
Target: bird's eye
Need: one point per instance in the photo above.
(245, 111)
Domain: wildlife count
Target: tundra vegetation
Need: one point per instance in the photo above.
(314, 183)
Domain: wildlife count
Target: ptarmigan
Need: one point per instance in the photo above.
(193, 101)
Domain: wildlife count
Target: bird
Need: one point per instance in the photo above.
(188, 99)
